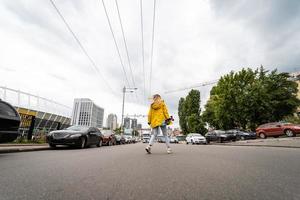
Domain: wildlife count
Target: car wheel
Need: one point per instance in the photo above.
(99, 143)
(52, 145)
(187, 142)
(82, 143)
(289, 133)
(262, 136)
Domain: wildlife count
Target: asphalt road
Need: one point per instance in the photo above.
(127, 172)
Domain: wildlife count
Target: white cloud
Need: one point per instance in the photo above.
(195, 41)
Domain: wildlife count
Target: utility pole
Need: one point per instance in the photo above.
(128, 90)
(124, 90)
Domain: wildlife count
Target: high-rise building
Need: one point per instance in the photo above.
(139, 126)
(86, 113)
(134, 124)
(127, 123)
(111, 121)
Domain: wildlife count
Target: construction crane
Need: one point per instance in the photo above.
(137, 116)
(193, 86)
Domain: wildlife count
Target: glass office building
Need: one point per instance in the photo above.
(86, 113)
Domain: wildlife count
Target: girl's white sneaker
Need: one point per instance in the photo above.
(169, 150)
(148, 149)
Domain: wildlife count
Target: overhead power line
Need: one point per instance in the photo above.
(143, 50)
(125, 43)
(116, 44)
(81, 46)
(151, 56)
(193, 86)
(126, 48)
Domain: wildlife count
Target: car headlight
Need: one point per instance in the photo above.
(223, 135)
(75, 135)
(50, 134)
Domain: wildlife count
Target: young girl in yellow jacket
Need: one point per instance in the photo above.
(158, 118)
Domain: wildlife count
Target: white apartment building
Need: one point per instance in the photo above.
(111, 121)
(86, 113)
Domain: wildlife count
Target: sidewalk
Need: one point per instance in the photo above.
(10, 148)
(293, 142)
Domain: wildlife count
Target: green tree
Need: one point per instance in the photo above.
(117, 131)
(248, 98)
(182, 115)
(189, 113)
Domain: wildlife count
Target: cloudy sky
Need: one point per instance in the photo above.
(195, 41)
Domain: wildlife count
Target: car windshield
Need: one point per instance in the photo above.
(78, 128)
(286, 123)
(106, 132)
(180, 138)
(7, 110)
(219, 132)
(197, 135)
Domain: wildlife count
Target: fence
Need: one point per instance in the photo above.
(33, 102)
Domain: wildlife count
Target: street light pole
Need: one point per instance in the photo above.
(124, 90)
(123, 104)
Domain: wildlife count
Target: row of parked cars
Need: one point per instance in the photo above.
(263, 131)
(83, 136)
(220, 136)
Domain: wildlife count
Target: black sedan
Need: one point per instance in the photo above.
(220, 136)
(79, 136)
(242, 135)
(9, 122)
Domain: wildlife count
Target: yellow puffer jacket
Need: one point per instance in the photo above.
(158, 113)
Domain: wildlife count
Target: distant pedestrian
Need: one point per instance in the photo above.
(158, 118)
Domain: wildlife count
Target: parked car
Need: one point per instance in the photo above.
(173, 140)
(128, 139)
(146, 137)
(109, 137)
(9, 122)
(133, 140)
(80, 136)
(137, 139)
(120, 139)
(181, 138)
(195, 138)
(242, 135)
(220, 136)
(161, 139)
(277, 129)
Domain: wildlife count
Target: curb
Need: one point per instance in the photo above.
(14, 150)
(255, 145)
(23, 145)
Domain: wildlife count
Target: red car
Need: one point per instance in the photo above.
(277, 129)
(109, 138)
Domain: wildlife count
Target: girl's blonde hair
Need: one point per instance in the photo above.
(156, 96)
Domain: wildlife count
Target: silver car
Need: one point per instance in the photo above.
(195, 138)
